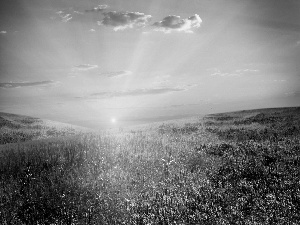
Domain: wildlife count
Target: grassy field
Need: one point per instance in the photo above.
(231, 168)
(16, 128)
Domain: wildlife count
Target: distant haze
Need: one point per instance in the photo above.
(111, 63)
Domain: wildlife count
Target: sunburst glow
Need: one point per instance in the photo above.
(98, 65)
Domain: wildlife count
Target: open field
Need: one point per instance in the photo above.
(17, 128)
(232, 168)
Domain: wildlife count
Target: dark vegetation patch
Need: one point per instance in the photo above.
(244, 134)
(187, 128)
(35, 133)
(271, 125)
(14, 136)
(260, 118)
(216, 150)
(258, 180)
(7, 123)
(16, 129)
(222, 117)
(28, 120)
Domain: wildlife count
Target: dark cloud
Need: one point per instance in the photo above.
(84, 67)
(136, 92)
(124, 20)
(173, 22)
(99, 8)
(116, 73)
(26, 84)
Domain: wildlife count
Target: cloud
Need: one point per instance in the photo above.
(217, 72)
(238, 72)
(116, 73)
(292, 94)
(99, 8)
(224, 74)
(174, 23)
(64, 15)
(84, 67)
(3, 32)
(25, 84)
(279, 80)
(77, 12)
(246, 70)
(124, 20)
(70, 14)
(67, 15)
(162, 80)
(137, 92)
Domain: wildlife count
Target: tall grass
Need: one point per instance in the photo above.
(95, 178)
(188, 173)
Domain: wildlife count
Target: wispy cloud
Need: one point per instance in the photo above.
(175, 23)
(238, 72)
(67, 15)
(246, 71)
(3, 32)
(292, 94)
(116, 73)
(26, 84)
(64, 16)
(217, 72)
(162, 80)
(137, 92)
(99, 8)
(84, 67)
(124, 20)
(224, 74)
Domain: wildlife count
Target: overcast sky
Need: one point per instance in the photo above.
(86, 62)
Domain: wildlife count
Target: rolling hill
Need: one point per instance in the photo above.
(18, 128)
(226, 168)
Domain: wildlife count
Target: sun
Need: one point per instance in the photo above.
(113, 120)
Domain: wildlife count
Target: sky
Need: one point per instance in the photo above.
(105, 63)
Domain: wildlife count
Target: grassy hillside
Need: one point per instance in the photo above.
(233, 168)
(17, 128)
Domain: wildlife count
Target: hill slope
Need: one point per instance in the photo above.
(232, 168)
(17, 128)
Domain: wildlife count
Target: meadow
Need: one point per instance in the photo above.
(17, 128)
(231, 168)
